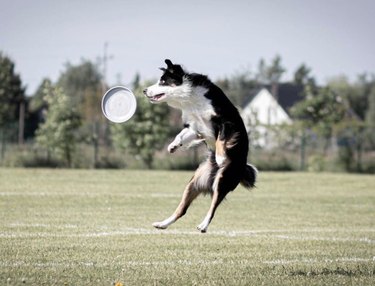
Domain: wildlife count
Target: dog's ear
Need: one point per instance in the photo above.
(169, 63)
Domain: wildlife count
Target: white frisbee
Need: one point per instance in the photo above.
(119, 104)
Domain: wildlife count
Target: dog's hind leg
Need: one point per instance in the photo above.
(200, 182)
(216, 200)
(225, 181)
(188, 196)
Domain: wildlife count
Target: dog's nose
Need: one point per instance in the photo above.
(145, 91)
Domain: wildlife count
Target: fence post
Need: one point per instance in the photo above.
(95, 142)
(303, 150)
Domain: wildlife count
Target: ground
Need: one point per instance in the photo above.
(76, 227)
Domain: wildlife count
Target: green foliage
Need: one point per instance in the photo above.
(321, 111)
(11, 91)
(58, 133)
(359, 97)
(271, 73)
(77, 79)
(37, 101)
(146, 132)
(357, 94)
(83, 84)
(316, 163)
(370, 115)
(326, 107)
(302, 77)
(273, 161)
(28, 159)
(238, 87)
(242, 84)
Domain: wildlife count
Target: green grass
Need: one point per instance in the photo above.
(87, 227)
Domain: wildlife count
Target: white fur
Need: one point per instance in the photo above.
(165, 223)
(197, 110)
(185, 137)
(220, 159)
(203, 226)
(174, 95)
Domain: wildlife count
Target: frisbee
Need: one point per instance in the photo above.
(119, 104)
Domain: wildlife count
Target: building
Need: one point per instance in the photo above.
(263, 111)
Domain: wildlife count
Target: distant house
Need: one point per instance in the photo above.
(263, 111)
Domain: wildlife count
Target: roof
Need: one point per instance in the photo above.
(288, 95)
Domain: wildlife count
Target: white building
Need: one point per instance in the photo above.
(263, 112)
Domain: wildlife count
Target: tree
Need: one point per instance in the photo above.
(270, 74)
(370, 120)
(238, 87)
(12, 96)
(370, 114)
(359, 92)
(302, 76)
(11, 91)
(321, 112)
(357, 134)
(37, 101)
(83, 84)
(58, 133)
(146, 132)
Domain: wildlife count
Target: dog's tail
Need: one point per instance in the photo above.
(250, 175)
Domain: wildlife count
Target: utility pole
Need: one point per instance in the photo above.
(21, 122)
(104, 61)
(100, 132)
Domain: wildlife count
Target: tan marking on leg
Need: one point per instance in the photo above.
(220, 155)
(189, 195)
(220, 147)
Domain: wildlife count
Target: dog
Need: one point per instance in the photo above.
(209, 117)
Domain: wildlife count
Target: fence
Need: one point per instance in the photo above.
(286, 150)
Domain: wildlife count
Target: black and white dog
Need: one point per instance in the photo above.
(209, 117)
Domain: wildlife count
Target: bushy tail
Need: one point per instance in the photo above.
(250, 176)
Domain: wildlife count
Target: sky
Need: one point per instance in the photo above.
(218, 38)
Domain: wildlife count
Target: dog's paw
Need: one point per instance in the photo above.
(160, 225)
(173, 147)
(202, 228)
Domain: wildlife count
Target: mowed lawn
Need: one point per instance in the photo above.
(90, 227)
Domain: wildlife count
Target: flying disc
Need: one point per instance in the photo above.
(119, 104)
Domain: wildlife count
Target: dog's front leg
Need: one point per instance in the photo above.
(186, 136)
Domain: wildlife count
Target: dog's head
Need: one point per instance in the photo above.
(171, 85)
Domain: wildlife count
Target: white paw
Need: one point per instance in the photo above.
(202, 227)
(204, 224)
(173, 147)
(160, 225)
(165, 223)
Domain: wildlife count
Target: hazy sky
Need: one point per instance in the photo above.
(217, 38)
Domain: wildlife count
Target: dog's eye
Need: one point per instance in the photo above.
(162, 82)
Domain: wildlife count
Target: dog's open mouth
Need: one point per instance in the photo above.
(157, 97)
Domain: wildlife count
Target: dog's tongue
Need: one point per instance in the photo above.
(158, 95)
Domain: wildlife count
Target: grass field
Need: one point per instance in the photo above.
(88, 227)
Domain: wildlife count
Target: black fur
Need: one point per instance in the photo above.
(219, 124)
(227, 123)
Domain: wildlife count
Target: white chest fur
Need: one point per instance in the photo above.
(198, 113)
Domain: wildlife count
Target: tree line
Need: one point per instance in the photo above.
(63, 114)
